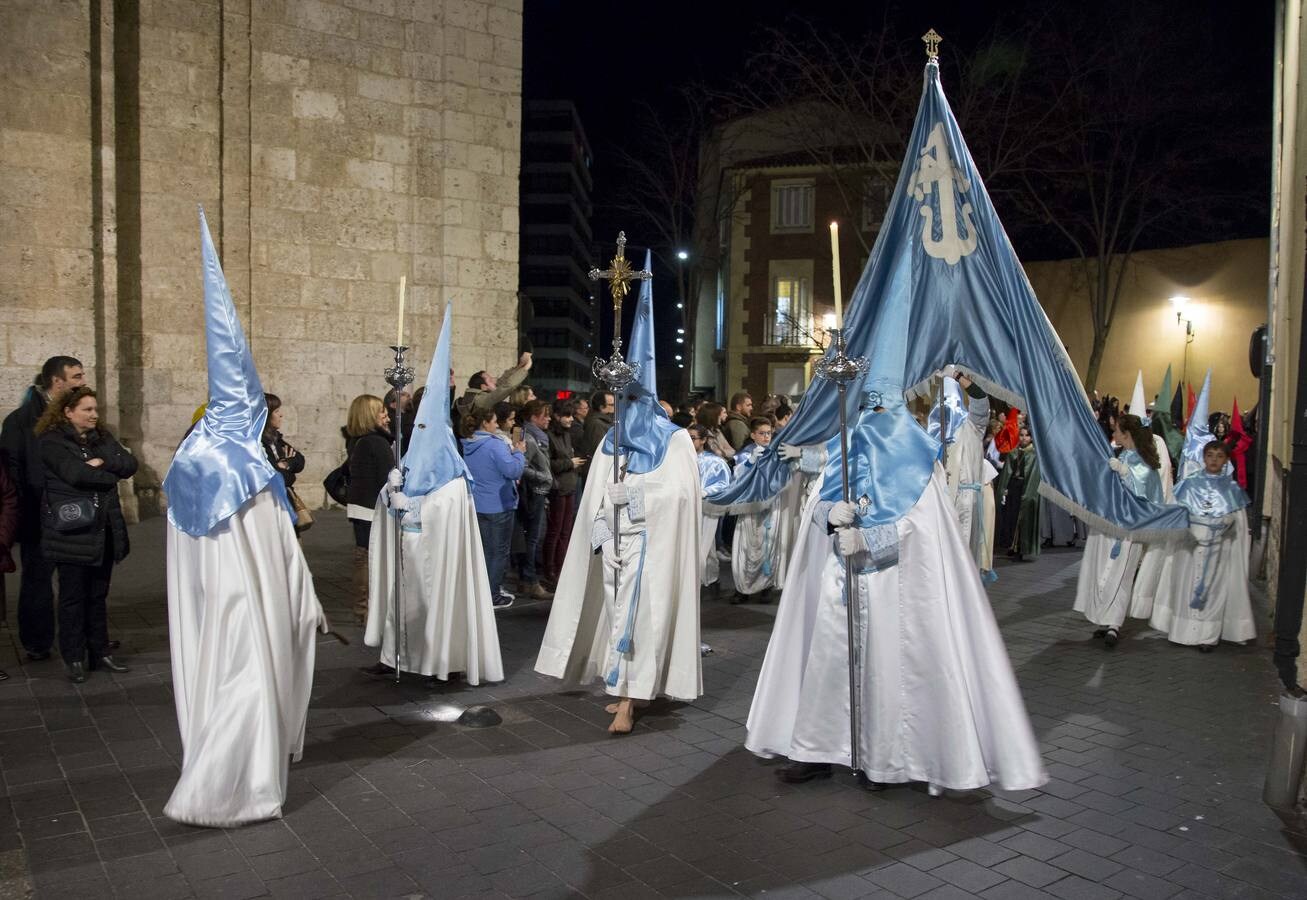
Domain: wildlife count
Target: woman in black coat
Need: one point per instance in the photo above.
(288, 461)
(370, 459)
(82, 527)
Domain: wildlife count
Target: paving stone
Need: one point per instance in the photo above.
(967, 875)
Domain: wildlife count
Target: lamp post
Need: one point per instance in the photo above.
(1180, 304)
(682, 288)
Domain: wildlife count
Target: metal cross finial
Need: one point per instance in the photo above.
(619, 274)
(932, 40)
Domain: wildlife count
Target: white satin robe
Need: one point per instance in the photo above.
(449, 622)
(940, 703)
(241, 618)
(1154, 562)
(1228, 614)
(578, 645)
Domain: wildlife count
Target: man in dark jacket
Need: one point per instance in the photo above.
(19, 446)
(537, 482)
(565, 464)
(736, 426)
(597, 423)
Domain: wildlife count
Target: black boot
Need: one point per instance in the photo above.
(799, 772)
(1110, 639)
(76, 672)
(108, 662)
(868, 785)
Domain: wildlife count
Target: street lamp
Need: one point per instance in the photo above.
(682, 255)
(1181, 305)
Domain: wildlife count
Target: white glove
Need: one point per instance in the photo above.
(789, 452)
(617, 494)
(842, 514)
(849, 541)
(1117, 465)
(395, 479)
(398, 500)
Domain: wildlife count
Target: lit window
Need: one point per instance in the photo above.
(791, 319)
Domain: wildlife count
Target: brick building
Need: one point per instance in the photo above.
(335, 144)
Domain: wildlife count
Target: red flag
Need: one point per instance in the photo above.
(1239, 441)
(1009, 434)
(1190, 401)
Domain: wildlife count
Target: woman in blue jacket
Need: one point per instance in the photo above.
(495, 468)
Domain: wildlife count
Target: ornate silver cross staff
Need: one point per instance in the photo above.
(399, 376)
(615, 371)
(843, 369)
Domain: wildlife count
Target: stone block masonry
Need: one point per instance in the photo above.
(335, 147)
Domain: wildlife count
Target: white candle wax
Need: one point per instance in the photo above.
(835, 273)
(399, 341)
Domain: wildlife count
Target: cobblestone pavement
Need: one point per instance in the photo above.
(1156, 754)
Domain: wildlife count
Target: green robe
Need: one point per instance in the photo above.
(1019, 502)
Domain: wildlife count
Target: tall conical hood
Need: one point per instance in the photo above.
(221, 463)
(951, 408)
(890, 457)
(432, 459)
(1163, 395)
(1138, 405)
(1197, 434)
(645, 426)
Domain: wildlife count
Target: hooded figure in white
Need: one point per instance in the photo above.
(642, 638)
(939, 701)
(448, 622)
(1157, 555)
(970, 476)
(241, 606)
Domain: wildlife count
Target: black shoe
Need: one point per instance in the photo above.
(1206, 648)
(1111, 638)
(76, 672)
(799, 772)
(737, 598)
(868, 785)
(111, 664)
(1100, 634)
(38, 655)
(380, 669)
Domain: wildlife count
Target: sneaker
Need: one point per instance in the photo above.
(504, 600)
(535, 591)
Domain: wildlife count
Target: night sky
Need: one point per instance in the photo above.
(605, 55)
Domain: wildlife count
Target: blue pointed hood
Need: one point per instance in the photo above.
(951, 408)
(890, 457)
(221, 464)
(432, 459)
(645, 426)
(1197, 435)
(970, 305)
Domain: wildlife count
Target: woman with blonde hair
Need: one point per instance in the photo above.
(370, 459)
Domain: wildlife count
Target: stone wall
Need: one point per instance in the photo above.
(335, 147)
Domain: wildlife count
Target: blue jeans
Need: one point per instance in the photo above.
(496, 539)
(536, 508)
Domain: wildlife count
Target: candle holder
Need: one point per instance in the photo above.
(399, 376)
(843, 370)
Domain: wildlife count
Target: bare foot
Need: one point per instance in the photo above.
(611, 708)
(623, 719)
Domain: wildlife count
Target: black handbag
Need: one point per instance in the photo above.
(71, 515)
(337, 483)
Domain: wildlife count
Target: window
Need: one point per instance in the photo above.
(875, 201)
(790, 323)
(792, 204)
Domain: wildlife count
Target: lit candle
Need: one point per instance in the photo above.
(399, 341)
(835, 272)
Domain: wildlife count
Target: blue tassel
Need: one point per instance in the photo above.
(611, 680)
(1116, 550)
(624, 645)
(989, 576)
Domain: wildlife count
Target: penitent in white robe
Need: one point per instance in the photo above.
(940, 703)
(586, 618)
(1227, 614)
(969, 478)
(241, 618)
(1156, 557)
(449, 622)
